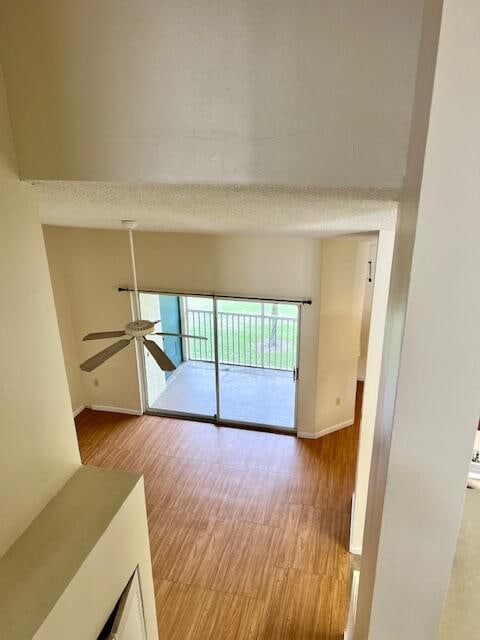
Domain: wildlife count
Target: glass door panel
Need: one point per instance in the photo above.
(189, 389)
(257, 352)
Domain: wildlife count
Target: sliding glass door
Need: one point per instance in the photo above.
(245, 369)
(191, 388)
(257, 362)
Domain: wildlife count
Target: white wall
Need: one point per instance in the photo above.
(341, 304)
(367, 311)
(39, 449)
(62, 293)
(383, 259)
(96, 262)
(428, 402)
(238, 91)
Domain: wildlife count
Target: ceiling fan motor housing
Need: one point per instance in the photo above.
(139, 328)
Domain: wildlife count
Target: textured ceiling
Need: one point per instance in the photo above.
(217, 209)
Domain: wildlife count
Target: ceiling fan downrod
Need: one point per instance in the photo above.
(137, 330)
(130, 225)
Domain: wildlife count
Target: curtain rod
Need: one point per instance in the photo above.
(217, 295)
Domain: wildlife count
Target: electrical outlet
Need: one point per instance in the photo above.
(337, 401)
(96, 383)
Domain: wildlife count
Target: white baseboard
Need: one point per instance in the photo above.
(101, 407)
(325, 432)
(336, 427)
(307, 434)
(78, 410)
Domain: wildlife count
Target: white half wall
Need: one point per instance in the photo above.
(74, 560)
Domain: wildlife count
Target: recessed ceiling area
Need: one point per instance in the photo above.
(306, 211)
(311, 92)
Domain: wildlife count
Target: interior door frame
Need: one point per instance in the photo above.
(216, 418)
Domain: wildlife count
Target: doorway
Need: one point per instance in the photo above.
(245, 372)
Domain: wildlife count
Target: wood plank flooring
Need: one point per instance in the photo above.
(249, 530)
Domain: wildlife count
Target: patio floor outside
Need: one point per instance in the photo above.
(247, 394)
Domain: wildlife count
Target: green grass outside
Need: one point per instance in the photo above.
(245, 335)
(240, 339)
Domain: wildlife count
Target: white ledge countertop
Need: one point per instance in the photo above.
(39, 566)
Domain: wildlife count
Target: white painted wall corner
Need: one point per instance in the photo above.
(78, 410)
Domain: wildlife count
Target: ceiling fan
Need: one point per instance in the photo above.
(138, 329)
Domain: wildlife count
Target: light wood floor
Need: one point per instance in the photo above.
(249, 531)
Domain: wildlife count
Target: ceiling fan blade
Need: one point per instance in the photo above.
(179, 335)
(96, 360)
(159, 356)
(104, 334)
